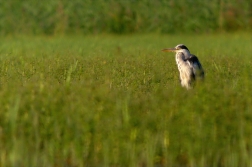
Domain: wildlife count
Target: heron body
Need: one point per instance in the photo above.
(188, 64)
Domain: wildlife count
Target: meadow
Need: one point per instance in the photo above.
(120, 16)
(113, 101)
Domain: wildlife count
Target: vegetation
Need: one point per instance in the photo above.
(123, 16)
(116, 101)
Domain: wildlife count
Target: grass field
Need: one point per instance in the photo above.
(116, 101)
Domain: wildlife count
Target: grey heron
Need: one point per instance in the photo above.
(188, 64)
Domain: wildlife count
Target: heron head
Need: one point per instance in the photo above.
(178, 48)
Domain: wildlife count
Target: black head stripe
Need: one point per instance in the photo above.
(181, 46)
(184, 47)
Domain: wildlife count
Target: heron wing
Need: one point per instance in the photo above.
(196, 66)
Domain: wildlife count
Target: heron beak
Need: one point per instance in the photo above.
(169, 50)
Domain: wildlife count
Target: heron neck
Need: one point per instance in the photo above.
(184, 54)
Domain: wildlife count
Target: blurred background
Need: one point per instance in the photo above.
(52, 17)
(72, 98)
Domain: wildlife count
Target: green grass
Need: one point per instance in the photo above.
(120, 16)
(116, 101)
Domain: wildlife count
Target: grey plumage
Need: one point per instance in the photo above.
(190, 69)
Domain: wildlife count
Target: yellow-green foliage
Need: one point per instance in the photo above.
(117, 101)
(123, 16)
